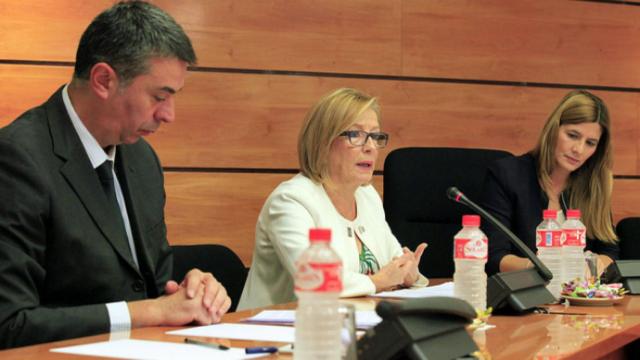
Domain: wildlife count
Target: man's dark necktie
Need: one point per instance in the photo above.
(105, 173)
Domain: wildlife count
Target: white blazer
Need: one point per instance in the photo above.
(282, 234)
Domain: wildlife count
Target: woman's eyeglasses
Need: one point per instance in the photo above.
(360, 137)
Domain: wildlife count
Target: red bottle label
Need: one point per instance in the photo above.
(470, 249)
(549, 238)
(319, 277)
(575, 237)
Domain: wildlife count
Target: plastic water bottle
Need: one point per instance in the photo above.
(573, 243)
(549, 242)
(470, 246)
(318, 283)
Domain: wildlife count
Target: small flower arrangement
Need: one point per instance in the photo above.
(584, 289)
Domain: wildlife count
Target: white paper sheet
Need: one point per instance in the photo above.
(241, 332)
(364, 318)
(153, 350)
(445, 289)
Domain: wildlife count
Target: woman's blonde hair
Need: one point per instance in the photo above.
(589, 187)
(333, 114)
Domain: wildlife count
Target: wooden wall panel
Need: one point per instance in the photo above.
(219, 208)
(356, 36)
(527, 41)
(550, 41)
(626, 198)
(223, 208)
(47, 30)
(23, 87)
(252, 121)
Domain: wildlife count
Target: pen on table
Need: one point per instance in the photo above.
(205, 343)
(261, 349)
(565, 313)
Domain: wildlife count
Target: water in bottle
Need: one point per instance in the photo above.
(573, 243)
(470, 255)
(549, 242)
(318, 283)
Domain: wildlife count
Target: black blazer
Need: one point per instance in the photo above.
(513, 195)
(61, 256)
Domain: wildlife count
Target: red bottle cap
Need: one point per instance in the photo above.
(319, 234)
(573, 213)
(550, 214)
(470, 220)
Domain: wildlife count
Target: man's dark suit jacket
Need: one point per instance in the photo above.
(514, 196)
(62, 255)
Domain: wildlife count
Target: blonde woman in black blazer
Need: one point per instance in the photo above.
(570, 168)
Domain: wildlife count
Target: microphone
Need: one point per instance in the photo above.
(520, 290)
(456, 195)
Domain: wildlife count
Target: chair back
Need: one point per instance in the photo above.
(416, 204)
(628, 230)
(219, 260)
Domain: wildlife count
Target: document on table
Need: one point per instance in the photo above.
(445, 289)
(153, 350)
(241, 332)
(364, 318)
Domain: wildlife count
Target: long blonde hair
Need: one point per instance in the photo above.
(331, 115)
(589, 186)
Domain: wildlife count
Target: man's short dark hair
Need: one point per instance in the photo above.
(126, 36)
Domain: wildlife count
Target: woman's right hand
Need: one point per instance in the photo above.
(391, 275)
(413, 263)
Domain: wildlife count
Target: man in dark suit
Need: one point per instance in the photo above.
(83, 246)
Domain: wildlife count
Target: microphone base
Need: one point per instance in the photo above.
(517, 292)
(625, 271)
(431, 328)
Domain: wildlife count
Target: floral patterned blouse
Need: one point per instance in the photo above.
(368, 263)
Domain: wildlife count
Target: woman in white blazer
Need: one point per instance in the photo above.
(337, 148)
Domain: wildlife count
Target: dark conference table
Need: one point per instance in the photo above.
(574, 332)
